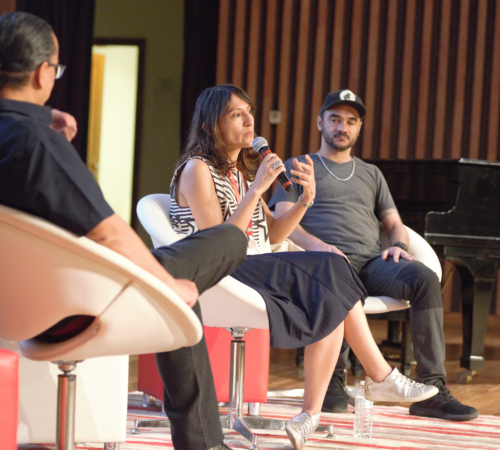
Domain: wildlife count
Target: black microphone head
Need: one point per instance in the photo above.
(259, 142)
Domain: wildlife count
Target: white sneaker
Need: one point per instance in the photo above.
(300, 427)
(397, 388)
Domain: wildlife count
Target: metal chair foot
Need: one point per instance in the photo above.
(242, 428)
(466, 376)
(111, 446)
(148, 400)
(135, 430)
(330, 434)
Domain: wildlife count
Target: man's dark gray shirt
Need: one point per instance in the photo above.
(41, 172)
(345, 213)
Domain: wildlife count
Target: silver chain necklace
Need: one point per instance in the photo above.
(335, 176)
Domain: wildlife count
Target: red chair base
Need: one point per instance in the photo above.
(9, 399)
(219, 345)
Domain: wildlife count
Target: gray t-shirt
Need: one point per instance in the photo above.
(345, 213)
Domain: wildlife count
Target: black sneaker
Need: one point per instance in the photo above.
(444, 406)
(336, 396)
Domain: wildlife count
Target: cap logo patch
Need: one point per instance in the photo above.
(347, 95)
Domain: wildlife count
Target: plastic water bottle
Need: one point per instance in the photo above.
(363, 415)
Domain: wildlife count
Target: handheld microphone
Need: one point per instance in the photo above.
(260, 145)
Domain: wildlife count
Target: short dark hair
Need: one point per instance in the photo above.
(26, 41)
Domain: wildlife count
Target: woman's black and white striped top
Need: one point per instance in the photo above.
(183, 221)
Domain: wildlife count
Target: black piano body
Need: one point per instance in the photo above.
(470, 234)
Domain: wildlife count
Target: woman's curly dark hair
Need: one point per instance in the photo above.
(205, 138)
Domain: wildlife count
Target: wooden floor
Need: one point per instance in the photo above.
(483, 392)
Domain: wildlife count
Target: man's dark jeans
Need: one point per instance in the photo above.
(413, 281)
(190, 399)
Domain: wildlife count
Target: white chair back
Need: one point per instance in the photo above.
(48, 274)
(228, 304)
(154, 213)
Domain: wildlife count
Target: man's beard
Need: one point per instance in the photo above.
(341, 147)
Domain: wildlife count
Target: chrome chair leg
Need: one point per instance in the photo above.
(66, 390)
(254, 409)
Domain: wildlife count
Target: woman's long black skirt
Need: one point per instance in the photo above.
(307, 294)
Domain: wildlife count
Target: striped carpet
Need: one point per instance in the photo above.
(393, 428)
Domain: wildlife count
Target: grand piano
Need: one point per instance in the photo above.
(456, 205)
(470, 234)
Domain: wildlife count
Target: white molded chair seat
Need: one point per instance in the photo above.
(48, 274)
(228, 304)
(423, 252)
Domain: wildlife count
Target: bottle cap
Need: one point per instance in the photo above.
(361, 383)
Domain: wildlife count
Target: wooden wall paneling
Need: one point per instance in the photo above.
(494, 108)
(477, 87)
(338, 33)
(300, 87)
(318, 76)
(284, 78)
(239, 43)
(442, 80)
(356, 40)
(497, 299)
(269, 69)
(222, 46)
(371, 79)
(460, 85)
(423, 86)
(7, 6)
(390, 57)
(406, 82)
(253, 50)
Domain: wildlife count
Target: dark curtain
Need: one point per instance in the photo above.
(201, 23)
(73, 24)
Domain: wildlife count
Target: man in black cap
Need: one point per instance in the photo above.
(42, 174)
(352, 198)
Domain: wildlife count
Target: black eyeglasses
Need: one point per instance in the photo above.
(59, 69)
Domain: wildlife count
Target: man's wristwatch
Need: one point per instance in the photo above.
(401, 245)
(304, 204)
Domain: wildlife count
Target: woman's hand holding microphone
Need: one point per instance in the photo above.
(268, 171)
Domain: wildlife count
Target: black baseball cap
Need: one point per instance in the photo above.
(345, 97)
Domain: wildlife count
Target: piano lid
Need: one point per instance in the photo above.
(474, 221)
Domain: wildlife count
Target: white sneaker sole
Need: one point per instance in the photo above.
(386, 398)
(296, 441)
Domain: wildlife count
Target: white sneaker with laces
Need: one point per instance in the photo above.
(397, 388)
(300, 427)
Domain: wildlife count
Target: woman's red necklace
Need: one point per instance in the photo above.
(249, 230)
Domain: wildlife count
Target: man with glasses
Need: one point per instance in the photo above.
(42, 174)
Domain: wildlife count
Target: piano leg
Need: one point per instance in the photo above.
(478, 280)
